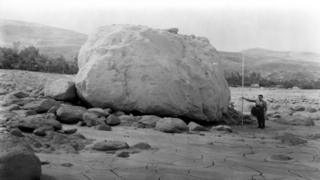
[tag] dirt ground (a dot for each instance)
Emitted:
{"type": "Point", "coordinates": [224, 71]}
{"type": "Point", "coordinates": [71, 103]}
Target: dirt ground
{"type": "Point", "coordinates": [247, 153]}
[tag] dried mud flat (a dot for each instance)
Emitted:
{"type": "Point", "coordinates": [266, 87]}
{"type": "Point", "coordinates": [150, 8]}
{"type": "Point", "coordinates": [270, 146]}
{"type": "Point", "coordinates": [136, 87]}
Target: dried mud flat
{"type": "Point", "coordinates": [246, 153]}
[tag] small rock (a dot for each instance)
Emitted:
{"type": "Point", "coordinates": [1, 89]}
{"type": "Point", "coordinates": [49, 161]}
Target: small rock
{"type": "Point", "coordinates": [113, 120]}
{"type": "Point", "coordinates": [196, 127]}
{"type": "Point", "coordinates": [103, 127]}
{"type": "Point", "coordinates": [67, 164]}
{"type": "Point", "coordinates": [100, 111]}
{"type": "Point", "coordinates": [297, 108]}
{"type": "Point", "coordinates": [222, 128]}
{"type": "Point", "coordinates": [16, 132]}
{"type": "Point", "coordinates": [123, 154]}
{"type": "Point", "coordinates": [41, 131]}
{"type": "Point", "coordinates": [142, 145]}
{"type": "Point", "coordinates": [93, 118]}
{"type": "Point", "coordinates": [119, 113]}
{"type": "Point", "coordinates": [311, 110]}
{"type": "Point", "coordinates": [110, 145]}
{"type": "Point", "coordinates": [30, 123]}
{"type": "Point", "coordinates": [69, 114]}
{"type": "Point", "coordinates": [128, 120]}
{"type": "Point", "coordinates": [281, 157]}
{"type": "Point", "coordinates": [148, 121]}
{"type": "Point", "coordinates": [68, 131]}
{"type": "Point", "coordinates": [53, 109]}
{"type": "Point", "coordinates": [41, 106]}
{"type": "Point", "coordinates": [171, 125]}
{"type": "Point", "coordinates": [291, 139]}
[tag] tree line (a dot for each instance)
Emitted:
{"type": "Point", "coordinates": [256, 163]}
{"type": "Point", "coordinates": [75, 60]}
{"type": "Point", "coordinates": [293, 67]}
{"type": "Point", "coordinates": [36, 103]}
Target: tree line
{"type": "Point", "coordinates": [235, 79]}
{"type": "Point", "coordinates": [30, 59]}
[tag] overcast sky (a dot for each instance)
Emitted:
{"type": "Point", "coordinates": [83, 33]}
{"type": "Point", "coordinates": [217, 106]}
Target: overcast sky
{"type": "Point", "coordinates": [287, 25]}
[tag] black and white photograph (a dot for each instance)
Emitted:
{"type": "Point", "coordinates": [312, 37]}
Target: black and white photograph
{"type": "Point", "coordinates": [159, 90]}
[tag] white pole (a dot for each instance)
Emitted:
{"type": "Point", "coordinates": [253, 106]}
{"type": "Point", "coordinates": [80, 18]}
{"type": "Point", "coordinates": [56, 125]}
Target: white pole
{"type": "Point", "coordinates": [242, 84]}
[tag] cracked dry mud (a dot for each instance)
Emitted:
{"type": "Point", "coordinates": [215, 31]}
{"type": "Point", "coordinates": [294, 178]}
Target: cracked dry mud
{"type": "Point", "coordinates": [249, 153]}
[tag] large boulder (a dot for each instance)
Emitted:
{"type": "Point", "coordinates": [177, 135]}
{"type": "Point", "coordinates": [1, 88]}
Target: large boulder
{"type": "Point", "coordinates": [135, 68]}
{"type": "Point", "coordinates": [61, 89]}
{"type": "Point", "coordinates": [17, 160]}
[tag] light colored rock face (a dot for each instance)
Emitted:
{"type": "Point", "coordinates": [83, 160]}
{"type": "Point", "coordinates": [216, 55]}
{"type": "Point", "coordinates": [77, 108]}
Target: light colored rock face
{"type": "Point", "coordinates": [135, 68]}
{"type": "Point", "coordinates": [61, 89]}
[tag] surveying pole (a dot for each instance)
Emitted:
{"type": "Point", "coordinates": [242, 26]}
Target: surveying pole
{"type": "Point", "coordinates": [242, 84]}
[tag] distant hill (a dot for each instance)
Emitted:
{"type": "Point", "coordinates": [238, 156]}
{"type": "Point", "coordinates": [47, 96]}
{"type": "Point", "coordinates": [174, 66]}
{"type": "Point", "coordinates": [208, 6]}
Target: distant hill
{"type": "Point", "coordinates": [275, 65]}
{"type": "Point", "coordinates": [49, 40]}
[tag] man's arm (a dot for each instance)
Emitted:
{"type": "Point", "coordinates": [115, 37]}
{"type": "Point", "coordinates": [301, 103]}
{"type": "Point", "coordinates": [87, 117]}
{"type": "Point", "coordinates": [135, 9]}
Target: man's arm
{"type": "Point", "coordinates": [249, 100]}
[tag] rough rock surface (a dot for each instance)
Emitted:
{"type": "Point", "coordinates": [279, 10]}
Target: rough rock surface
{"type": "Point", "coordinates": [70, 114]}
{"type": "Point", "coordinates": [135, 68]}
{"type": "Point", "coordinates": [113, 120]}
{"type": "Point", "coordinates": [30, 123]}
{"type": "Point", "coordinates": [171, 125]}
{"type": "Point", "coordinates": [196, 127]}
{"type": "Point", "coordinates": [40, 106]}
{"type": "Point", "coordinates": [148, 121]}
{"type": "Point", "coordinates": [17, 160]}
{"type": "Point", "coordinates": [61, 89]}
{"type": "Point", "coordinates": [93, 119]}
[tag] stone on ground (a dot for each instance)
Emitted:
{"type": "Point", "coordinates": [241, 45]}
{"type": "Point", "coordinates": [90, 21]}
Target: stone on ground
{"type": "Point", "coordinates": [100, 111]}
{"type": "Point", "coordinates": [30, 123]}
{"type": "Point", "coordinates": [17, 160]}
{"type": "Point", "coordinates": [142, 145]}
{"type": "Point", "coordinates": [298, 108]}
{"type": "Point", "coordinates": [69, 114]}
{"type": "Point", "coordinates": [61, 89]}
{"type": "Point", "coordinates": [93, 118]}
{"type": "Point", "coordinates": [103, 127]}
{"type": "Point", "coordinates": [113, 120]}
{"type": "Point", "coordinates": [151, 71]}
{"type": "Point", "coordinates": [41, 106]}
{"type": "Point", "coordinates": [171, 125]}
{"type": "Point", "coordinates": [291, 139]}
{"type": "Point", "coordinates": [110, 145]}
{"type": "Point", "coordinates": [196, 127]}
{"type": "Point", "coordinates": [224, 128]}
{"type": "Point", "coordinates": [123, 154]}
{"type": "Point", "coordinates": [148, 121]}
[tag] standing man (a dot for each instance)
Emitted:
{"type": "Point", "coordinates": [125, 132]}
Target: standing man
{"type": "Point", "coordinates": [259, 110]}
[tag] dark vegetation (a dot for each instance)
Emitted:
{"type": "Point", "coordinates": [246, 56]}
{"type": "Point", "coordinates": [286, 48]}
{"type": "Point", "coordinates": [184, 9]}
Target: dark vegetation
{"type": "Point", "coordinates": [235, 78]}
{"type": "Point", "coordinates": [30, 59]}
